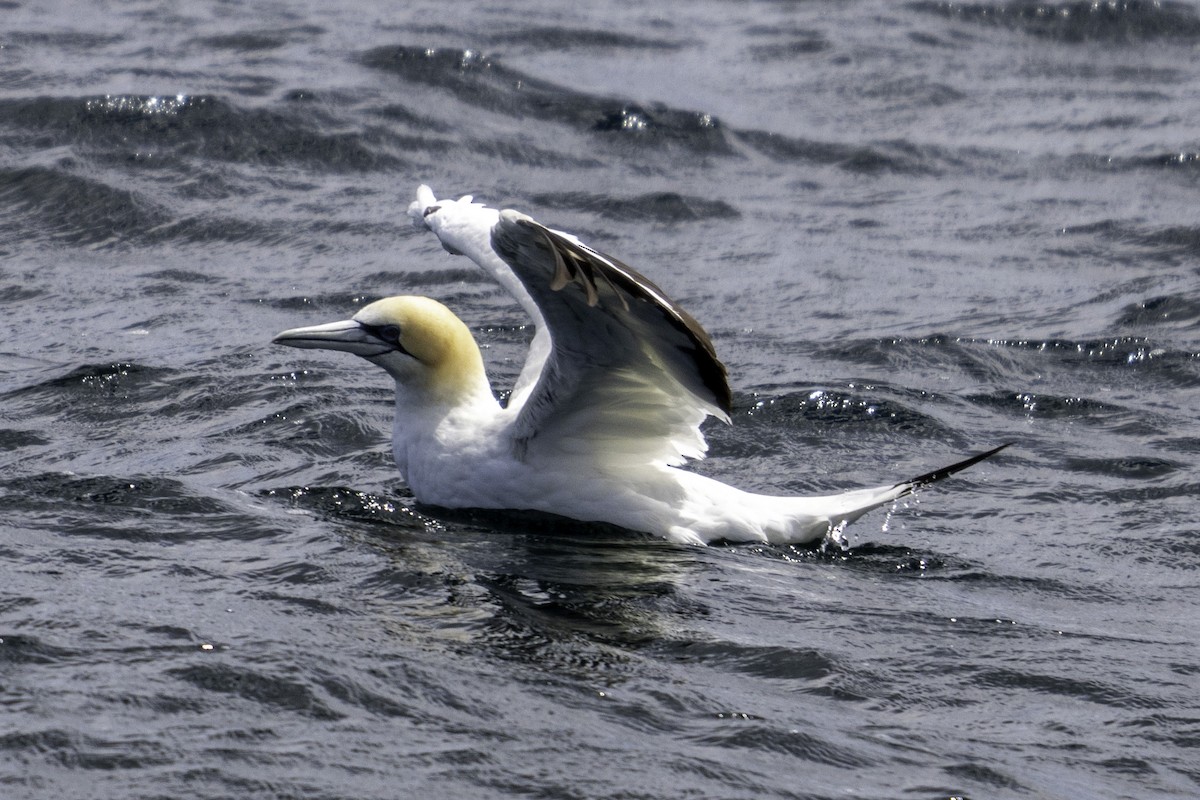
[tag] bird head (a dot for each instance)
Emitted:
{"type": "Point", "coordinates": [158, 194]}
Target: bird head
{"type": "Point", "coordinates": [427, 349]}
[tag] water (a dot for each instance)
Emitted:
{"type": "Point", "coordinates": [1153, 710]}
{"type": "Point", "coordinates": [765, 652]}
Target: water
{"type": "Point", "coordinates": [914, 230]}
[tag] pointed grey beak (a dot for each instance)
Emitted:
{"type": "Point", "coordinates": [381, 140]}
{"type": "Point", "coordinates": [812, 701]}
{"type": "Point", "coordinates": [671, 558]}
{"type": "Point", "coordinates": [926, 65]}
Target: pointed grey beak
{"type": "Point", "coordinates": [346, 335]}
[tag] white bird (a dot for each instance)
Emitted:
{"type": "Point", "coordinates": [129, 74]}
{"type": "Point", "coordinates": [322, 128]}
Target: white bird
{"type": "Point", "coordinates": [605, 411]}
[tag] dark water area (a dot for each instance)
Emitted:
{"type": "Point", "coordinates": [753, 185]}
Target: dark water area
{"type": "Point", "coordinates": [914, 231]}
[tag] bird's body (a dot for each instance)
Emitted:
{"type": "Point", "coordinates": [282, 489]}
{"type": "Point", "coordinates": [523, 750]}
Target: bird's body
{"type": "Point", "coordinates": [605, 410]}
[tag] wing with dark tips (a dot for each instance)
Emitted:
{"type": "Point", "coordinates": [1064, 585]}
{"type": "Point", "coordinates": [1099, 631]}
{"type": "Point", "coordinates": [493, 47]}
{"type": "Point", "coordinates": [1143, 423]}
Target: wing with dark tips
{"type": "Point", "coordinates": [629, 371]}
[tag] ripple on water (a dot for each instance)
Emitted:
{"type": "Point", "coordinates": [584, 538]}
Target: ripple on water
{"type": "Point", "coordinates": [89, 390]}
{"type": "Point", "coordinates": [1049, 406]}
{"type": "Point", "coordinates": [55, 204]}
{"type": "Point", "coordinates": [778, 663]}
{"type": "Point", "coordinates": [72, 749]}
{"type": "Point", "coordinates": [256, 40]}
{"type": "Point", "coordinates": [1171, 309]}
{"type": "Point", "coordinates": [350, 504]}
{"type": "Point", "coordinates": [901, 157]}
{"type": "Point", "coordinates": [17, 648]}
{"type": "Point", "coordinates": [1130, 467]}
{"type": "Point", "coordinates": [482, 81]}
{"type": "Point", "coordinates": [1133, 364]}
{"type": "Point", "coordinates": [791, 424]}
{"type": "Point", "coordinates": [270, 690]}
{"type": "Point", "coordinates": [138, 509]}
{"type": "Point", "coordinates": [559, 38]}
{"type": "Point", "coordinates": [1125, 22]}
{"type": "Point", "coordinates": [653, 207]}
{"type": "Point", "coordinates": [837, 407]}
{"type": "Point", "coordinates": [1172, 245]}
{"type": "Point", "coordinates": [808, 747]}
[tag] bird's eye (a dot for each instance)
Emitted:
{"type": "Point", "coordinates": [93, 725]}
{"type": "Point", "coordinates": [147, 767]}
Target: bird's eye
{"type": "Point", "coordinates": [389, 333]}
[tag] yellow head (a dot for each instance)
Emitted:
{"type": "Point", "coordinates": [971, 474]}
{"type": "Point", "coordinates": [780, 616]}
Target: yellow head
{"type": "Point", "coordinates": [421, 343]}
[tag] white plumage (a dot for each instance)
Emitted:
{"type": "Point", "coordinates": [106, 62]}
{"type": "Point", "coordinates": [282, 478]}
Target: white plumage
{"type": "Point", "coordinates": [604, 412]}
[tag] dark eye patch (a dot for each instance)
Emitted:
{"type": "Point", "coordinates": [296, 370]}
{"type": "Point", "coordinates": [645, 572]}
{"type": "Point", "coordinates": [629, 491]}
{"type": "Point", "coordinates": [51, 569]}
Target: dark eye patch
{"type": "Point", "coordinates": [389, 334]}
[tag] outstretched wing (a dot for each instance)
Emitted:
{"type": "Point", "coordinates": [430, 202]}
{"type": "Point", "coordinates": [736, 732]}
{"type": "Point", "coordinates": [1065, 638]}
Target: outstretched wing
{"type": "Point", "coordinates": [629, 375]}
{"type": "Point", "coordinates": [615, 368]}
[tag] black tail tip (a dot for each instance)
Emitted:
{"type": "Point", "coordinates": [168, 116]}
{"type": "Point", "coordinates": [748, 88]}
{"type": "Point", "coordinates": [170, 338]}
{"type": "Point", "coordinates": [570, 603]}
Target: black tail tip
{"type": "Point", "coordinates": [946, 472]}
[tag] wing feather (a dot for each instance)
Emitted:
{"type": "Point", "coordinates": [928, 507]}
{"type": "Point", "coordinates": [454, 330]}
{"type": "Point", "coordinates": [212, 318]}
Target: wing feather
{"type": "Point", "coordinates": [630, 374]}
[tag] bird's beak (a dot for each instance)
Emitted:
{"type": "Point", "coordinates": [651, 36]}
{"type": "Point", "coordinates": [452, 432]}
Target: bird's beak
{"type": "Point", "coordinates": [347, 335]}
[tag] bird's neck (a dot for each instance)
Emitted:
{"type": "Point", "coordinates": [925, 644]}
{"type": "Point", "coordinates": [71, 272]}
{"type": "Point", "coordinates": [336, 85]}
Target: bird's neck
{"type": "Point", "coordinates": [430, 424]}
{"type": "Point", "coordinates": [460, 380]}
{"type": "Point", "coordinates": [462, 389]}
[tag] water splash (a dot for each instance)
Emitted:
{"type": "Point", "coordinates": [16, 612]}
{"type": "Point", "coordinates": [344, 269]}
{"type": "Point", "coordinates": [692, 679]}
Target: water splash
{"type": "Point", "coordinates": [887, 519]}
{"type": "Point", "coordinates": [836, 537]}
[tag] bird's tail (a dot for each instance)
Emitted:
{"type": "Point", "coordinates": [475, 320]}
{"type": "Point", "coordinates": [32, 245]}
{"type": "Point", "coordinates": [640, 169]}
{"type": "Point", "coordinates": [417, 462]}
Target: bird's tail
{"type": "Point", "coordinates": [913, 484]}
{"type": "Point", "coordinates": [851, 505]}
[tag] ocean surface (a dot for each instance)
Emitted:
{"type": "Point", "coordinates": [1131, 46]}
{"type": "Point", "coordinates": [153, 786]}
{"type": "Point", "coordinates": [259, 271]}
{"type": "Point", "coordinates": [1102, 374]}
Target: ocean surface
{"type": "Point", "coordinates": [915, 230]}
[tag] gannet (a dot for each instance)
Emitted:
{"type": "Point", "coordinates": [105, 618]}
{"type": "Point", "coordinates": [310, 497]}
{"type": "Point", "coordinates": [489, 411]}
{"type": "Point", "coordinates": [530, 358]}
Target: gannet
{"type": "Point", "coordinates": [605, 411]}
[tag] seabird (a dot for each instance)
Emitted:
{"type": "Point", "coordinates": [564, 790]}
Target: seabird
{"type": "Point", "coordinates": [605, 411]}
